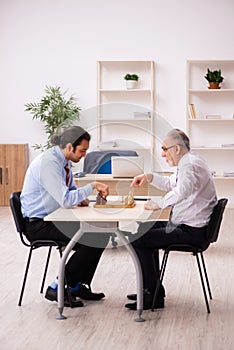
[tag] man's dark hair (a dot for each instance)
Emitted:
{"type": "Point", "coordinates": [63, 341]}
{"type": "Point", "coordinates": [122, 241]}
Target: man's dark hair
{"type": "Point", "coordinates": [73, 134]}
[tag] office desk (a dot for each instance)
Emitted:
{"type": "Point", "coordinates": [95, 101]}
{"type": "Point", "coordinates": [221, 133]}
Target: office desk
{"type": "Point", "coordinates": [104, 220]}
{"type": "Point", "coordinates": [119, 186]}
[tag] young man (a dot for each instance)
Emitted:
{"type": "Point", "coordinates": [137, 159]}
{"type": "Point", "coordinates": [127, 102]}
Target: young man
{"type": "Point", "coordinates": [49, 185]}
{"type": "Point", "coordinates": [191, 194]}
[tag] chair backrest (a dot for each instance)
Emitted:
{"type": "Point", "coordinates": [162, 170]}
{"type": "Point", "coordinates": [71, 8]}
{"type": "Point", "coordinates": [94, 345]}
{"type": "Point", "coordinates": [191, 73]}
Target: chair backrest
{"type": "Point", "coordinates": [215, 220]}
{"type": "Point", "coordinates": [15, 206]}
{"type": "Point", "coordinates": [99, 162]}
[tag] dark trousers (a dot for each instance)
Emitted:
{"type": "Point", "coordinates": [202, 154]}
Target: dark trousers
{"type": "Point", "coordinates": [154, 236]}
{"type": "Point", "coordinates": [87, 252]}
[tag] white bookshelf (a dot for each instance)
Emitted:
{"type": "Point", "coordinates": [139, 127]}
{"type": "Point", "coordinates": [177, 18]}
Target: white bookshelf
{"type": "Point", "coordinates": [118, 106]}
{"type": "Point", "coordinates": [212, 137]}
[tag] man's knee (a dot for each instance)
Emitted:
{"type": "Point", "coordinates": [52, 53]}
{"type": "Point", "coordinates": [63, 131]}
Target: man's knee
{"type": "Point", "coordinates": [145, 227]}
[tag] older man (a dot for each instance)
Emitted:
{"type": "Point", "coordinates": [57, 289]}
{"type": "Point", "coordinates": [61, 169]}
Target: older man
{"type": "Point", "coordinates": [191, 194]}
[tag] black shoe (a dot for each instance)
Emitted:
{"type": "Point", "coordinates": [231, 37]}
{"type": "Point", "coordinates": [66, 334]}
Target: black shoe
{"type": "Point", "coordinates": [51, 295]}
{"type": "Point", "coordinates": [85, 293]}
{"type": "Point", "coordinates": [161, 293]}
{"type": "Point", "coordinates": [147, 303]}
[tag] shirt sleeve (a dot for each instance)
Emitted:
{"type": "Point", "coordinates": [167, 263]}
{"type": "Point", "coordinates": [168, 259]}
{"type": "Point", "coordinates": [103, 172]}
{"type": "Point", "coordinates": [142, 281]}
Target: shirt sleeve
{"type": "Point", "coordinates": [180, 188]}
{"type": "Point", "coordinates": [72, 185]}
{"type": "Point", "coordinates": [165, 183]}
{"type": "Point", "coordinates": [54, 183]}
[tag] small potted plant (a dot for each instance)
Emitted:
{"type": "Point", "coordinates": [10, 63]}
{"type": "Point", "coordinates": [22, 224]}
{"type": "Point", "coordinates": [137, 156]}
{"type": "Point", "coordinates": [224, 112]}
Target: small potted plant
{"type": "Point", "coordinates": [131, 80]}
{"type": "Point", "coordinates": [214, 78]}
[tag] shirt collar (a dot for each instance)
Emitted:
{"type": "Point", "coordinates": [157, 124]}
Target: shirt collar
{"type": "Point", "coordinates": [185, 158]}
{"type": "Point", "coordinates": [60, 155]}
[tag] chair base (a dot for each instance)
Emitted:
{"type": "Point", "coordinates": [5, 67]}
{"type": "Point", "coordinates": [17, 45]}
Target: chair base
{"type": "Point", "coordinates": [201, 267]}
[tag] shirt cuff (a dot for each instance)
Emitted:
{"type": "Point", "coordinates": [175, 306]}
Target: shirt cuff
{"type": "Point", "coordinates": [161, 203]}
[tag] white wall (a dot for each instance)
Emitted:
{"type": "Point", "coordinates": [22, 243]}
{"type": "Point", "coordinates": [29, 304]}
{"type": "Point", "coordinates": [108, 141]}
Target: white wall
{"type": "Point", "coordinates": [57, 42]}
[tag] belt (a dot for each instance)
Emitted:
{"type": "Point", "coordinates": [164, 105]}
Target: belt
{"type": "Point", "coordinates": [33, 219]}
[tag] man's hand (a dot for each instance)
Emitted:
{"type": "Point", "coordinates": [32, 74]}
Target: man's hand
{"type": "Point", "coordinates": [151, 205]}
{"type": "Point", "coordinates": [140, 180]}
{"type": "Point", "coordinates": [101, 188]}
{"type": "Point", "coordinates": [84, 203]}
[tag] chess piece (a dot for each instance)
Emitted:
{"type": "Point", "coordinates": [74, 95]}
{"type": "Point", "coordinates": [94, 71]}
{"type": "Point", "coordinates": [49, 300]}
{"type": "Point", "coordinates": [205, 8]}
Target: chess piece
{"type": "Point", "coordinates": [100, 200]}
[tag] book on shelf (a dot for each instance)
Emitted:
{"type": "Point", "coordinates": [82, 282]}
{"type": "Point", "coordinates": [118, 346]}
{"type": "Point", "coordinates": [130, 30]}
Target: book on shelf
{"type": "Point", "coordinates": [213, 116]}
{"type": "Point", "coordinates": [228, 173]}
{"type": "Point", "coordinates": [228, 145]}
{"type": "Point", "coordinates": [141, 115]}
{"type": "Point", "coordinates": [192, 111]}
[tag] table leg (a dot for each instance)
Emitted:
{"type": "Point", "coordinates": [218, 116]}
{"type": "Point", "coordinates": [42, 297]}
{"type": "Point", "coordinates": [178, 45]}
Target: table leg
{"type": "Point", "coordinates": [62, 264]}
{"type": "Point", "coordinates": [137, 265]}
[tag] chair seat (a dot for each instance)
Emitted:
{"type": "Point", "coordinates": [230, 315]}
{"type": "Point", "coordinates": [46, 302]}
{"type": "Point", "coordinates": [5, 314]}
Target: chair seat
{"type": "Point", "coordinates": [184, 248]}
{"type": "Point", "coordinates": [45, 243]}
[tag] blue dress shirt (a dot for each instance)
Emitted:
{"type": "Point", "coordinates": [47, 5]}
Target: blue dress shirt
{"type": "Point", "coordinates": [45, 188]}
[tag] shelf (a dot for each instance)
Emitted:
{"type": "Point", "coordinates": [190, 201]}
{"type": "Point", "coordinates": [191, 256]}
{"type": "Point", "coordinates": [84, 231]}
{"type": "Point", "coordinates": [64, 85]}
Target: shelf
{"type": "Point", "coordinates": [124, 90]}
{"type": "Point", "coordinates": [124, 120]}
{"type": "Point", "coordinates": [190, 61]}
{"type": "Point", "coordinates": [125, 61]}
{"type": "Point", "coordinates": [211, 120]}
{"type": "Point", "coordinates": [212, 148]}
{"type": "Point", "coordinates": [223, 177]}
{"type": "Point", "coordinates": [211, 90]}
{"type": "Point", "coordinates": [123, 148]}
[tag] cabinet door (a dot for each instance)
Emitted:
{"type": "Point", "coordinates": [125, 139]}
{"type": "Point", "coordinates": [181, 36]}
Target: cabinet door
{"type": "Point", "coordinates": [16, 163]}
{"type": "Point", "coordinates": [2, 179]}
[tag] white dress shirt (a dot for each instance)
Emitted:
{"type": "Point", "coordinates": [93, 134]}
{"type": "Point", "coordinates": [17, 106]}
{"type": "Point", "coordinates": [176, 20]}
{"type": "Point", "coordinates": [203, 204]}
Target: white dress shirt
{"type": "Point", "coordinates": [191, 191]}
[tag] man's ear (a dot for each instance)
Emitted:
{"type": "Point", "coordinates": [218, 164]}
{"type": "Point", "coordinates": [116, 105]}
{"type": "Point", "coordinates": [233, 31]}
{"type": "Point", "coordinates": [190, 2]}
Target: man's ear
{"type": "Point", "coordinates": [67, 150]}
{"type": "Point", "coordinates": [69, 147]}
{"type": "Point", "coordinates": [178, 149]}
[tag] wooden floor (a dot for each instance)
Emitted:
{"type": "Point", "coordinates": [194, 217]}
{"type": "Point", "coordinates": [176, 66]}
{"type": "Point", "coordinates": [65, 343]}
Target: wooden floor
{"type": "Point", "coordinates": [184, 323]}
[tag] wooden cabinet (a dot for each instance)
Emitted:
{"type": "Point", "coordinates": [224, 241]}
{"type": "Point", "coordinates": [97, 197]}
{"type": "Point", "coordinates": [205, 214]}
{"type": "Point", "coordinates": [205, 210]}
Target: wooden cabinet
{"type": "Point", "coordinates": [14, 160]}
{"type": "Point", "coordinates": [211, 129]}
{"type": "Point", "coordinates": [126, 116]}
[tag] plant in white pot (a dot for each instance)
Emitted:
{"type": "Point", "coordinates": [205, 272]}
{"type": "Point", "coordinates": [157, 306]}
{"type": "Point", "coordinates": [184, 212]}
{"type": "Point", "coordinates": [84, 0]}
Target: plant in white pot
{"type": "Point", "coordinates": [55, 111]}
{"type": "Point", "coordinates": [131, 80]}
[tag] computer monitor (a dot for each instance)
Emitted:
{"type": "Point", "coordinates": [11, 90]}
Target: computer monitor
{"type": "Point", "coordinates": [127, 166]}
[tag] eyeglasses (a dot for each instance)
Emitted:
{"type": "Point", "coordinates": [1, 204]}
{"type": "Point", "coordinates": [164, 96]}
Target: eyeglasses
{"type": "Point", "coordinates": [165, 149]}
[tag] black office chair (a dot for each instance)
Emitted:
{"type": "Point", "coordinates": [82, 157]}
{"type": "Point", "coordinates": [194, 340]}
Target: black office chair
{"type": "Point", "coordinates": [20, 225]}
{"type": "Point", "coordinates": [212, 236]}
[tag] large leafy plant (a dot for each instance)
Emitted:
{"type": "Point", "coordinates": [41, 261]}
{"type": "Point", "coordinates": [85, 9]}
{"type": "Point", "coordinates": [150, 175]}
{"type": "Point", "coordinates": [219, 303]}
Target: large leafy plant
{"type": "Point", "coordinates": [55, 111]}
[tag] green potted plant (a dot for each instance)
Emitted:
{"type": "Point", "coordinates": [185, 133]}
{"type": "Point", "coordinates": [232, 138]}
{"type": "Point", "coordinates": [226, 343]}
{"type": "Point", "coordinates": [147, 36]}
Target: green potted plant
{"type": "Point", "coordinates": [55, 111]}
{"type": "Point", "coordinates": [214, 78]}
{"type": "Point", "coordinates": [131, 80]}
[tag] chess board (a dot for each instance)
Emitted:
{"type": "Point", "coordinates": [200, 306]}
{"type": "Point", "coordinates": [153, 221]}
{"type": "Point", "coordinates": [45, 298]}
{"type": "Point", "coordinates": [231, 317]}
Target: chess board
{"type": "Point", "coordinates": [126, 202]}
